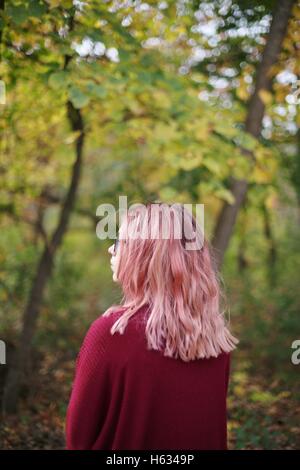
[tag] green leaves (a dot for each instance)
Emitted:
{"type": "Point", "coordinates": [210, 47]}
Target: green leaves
{"type": "Point", "coordinates": [19, 12]}
{"type": "Point", "coordinates": [216, 189]}
{"type": "Point", "coordinates": [168, 194]}
{"type": "Point", "coordinates": [212, 164]}
{"type": "Point", "coordinates": [96, 90]}
{"type": "Point", "coordinates": [149, 113]}
{"type": "Point", "coordinates": [225, 195]}
{"type": "Point", "coordinates": [246, 141]}
{"type": "Point", "coordinates": [59, 79]}
{"type": "Point", "coordinates": [62, 3]}
{"type": "Point", "coordinates": [78, 98]}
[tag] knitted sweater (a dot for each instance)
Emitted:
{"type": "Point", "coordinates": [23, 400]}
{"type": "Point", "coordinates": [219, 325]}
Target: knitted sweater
{"type": "Point", "coordinates": [126, 397]}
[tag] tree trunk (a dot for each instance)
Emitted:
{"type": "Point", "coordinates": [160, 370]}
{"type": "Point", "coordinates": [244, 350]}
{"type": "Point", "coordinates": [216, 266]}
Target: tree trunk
{"type": "Point", "coordinates": [227, 218]}
{"type": "Point", "coordinates": [272, 251]}
{"type": "Point", "coordinates": [20, 365]}
{"type": "Point", "coordinates": [295, 174]}
{"type": "Point", "coordinates": [2, 6]}
{"type": "Point", "coordinates": [242, 261]}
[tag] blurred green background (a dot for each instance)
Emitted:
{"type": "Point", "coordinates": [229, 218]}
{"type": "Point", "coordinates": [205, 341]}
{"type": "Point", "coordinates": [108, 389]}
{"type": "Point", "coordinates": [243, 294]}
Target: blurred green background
{"type": "Point", "coordinates": [170, 100]}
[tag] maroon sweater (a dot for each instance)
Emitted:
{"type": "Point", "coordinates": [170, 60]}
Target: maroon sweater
{"type": "Point", "coordinates": [126, 397]}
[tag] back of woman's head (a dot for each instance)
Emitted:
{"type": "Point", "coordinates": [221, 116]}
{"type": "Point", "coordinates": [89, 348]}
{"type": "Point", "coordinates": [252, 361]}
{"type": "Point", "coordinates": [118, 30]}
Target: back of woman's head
{"type": "Point", "coordinates": [165, 263]}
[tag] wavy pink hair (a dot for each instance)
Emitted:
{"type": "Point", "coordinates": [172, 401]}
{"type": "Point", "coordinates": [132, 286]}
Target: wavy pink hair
{"type": "Point", "coordinates": [180, 286]}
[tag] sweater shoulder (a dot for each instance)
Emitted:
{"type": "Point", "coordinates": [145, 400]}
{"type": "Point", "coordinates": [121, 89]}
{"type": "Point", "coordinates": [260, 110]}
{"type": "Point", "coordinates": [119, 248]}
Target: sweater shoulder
{"type": "Point", "coordinates": [100, 327]}
{"type": "Point", "coordinates": [96, 338]}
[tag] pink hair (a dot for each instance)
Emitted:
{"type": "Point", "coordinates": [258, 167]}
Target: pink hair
{"type": "Point", "coordinates": [179, 286]}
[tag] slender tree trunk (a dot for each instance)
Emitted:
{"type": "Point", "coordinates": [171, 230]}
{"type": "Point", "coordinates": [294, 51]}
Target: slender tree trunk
{"type": "Point", "coordinates": [272, 255]}
{"type": "Point", "coordinates": [43, 273]}
{"type": "Point", "coordinates": [2, 6]}
{"type": "Point", "coordinates": [227, 218]}
{"type": "Point", "coordinates": [295, 174]}
{"type": "Point", "coordinates": [242, 261]}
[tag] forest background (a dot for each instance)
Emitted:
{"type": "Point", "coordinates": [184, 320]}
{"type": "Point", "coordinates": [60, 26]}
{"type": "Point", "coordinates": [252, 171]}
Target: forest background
{"type": "Point", "coordinates": [179, 101]}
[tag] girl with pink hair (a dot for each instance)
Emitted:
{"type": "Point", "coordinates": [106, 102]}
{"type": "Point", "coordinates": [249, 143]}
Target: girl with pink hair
{"type": "Point", "coordinates": [153, 372]}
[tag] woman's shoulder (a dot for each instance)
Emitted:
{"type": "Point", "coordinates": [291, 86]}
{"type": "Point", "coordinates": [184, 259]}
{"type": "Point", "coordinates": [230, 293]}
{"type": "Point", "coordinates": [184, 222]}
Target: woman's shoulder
{"type": "Point", "coordinates": [102, 324]}
{"type": "Point", "coordinates": [99, 331]}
